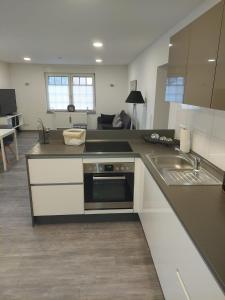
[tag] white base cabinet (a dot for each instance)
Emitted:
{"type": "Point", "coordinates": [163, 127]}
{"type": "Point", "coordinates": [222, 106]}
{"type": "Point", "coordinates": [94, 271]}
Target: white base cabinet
{"type": "Point", "coordinates": [55, 170]}
{"type": "Point", "coordinates": [57, 200]}
{"type": "Point", "coordinates": [182, 272]}
{"type": "Point", "coordinates": [56, 186]}
{"type": "Point", "coordinates": [138, 184]}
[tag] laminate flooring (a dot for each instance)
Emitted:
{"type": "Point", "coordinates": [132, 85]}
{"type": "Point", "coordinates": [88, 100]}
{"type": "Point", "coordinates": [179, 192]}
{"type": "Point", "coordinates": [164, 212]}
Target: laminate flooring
{"type": "Point", "coordinates": [76, 261]}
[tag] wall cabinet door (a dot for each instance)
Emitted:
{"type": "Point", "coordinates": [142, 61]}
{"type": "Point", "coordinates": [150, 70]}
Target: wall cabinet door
{"type": "Point", "coordinates": [57, 200]}
{"type": "Point", "coordinates": [218, 100]}
{"type": "Point", "coordinates": [203, 51]}
{"type": "Point", "coordinates": [176, 73]}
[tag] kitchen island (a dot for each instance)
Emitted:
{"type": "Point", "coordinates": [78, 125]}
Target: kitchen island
{"type": "Point", "coordinates": [200, 209]}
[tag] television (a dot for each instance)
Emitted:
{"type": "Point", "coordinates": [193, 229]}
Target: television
{"type": "Point", "coordinates": [7, 102]}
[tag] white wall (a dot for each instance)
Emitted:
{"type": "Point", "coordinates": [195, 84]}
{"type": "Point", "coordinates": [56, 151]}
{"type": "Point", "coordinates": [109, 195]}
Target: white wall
{"type": "Point", "coordinates": [4, 76]}
{"type": "Point", "coordinates": [31, 99]}
{"type": "Point", "coordinates": [208, 134]}
{"type": "Point", "coordinates": [207, 125]}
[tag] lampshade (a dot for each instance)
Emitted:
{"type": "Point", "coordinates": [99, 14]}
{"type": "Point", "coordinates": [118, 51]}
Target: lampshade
{"type": "Point", "coordinates": [135, 97]}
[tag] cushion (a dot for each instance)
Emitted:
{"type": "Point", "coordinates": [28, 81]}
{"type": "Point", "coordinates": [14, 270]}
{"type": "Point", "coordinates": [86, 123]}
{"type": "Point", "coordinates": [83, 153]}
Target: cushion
{"type": "Point", "coordinates": [122, 114]}
{"type": "Point", "coordinates": [126, 122]}
{"type": "Point", "coordinates": [117, 121]}
{"type": "Point", "coordinates": [107, 119]}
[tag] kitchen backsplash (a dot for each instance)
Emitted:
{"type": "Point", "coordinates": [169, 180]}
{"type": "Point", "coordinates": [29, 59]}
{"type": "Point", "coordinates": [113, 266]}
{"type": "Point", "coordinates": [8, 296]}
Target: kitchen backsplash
{"type": "Point", "coordinates": [207, 127]}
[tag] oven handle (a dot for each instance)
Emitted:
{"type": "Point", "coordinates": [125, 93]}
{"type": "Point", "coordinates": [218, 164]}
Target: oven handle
{"type": "Point", "coordinates": [109, 178]}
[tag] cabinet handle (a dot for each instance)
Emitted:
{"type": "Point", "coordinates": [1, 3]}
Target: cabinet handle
{"type": "Point", "coordinates": [109, 178]}
{"type": "Point", "coordinates": [182, 285]}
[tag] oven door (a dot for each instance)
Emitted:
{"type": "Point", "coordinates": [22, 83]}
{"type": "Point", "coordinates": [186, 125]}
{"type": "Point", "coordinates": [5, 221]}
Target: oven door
{"type": "Point", "coordinates": [109, 191]}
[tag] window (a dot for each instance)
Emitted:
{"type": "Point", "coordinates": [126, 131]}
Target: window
{"type": "Point", "coordinates": [58, 92]}
{"type": "Point", "coordinates": [65, 89]}
{"type": "Point", "coordinates": [83, 93]}
{"type": "Point", "coordinates": [175, 89]}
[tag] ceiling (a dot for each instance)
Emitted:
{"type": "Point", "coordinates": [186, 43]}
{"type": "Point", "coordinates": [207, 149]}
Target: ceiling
{"type": "Point", "coordinates": [62, 31]}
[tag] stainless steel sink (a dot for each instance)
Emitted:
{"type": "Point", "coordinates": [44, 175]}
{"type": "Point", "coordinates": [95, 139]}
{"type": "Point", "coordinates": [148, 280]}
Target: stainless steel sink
{"type": "Point", "coordinates": [176, 162]}
{"type": "Point", "coordinates": [178, 170]}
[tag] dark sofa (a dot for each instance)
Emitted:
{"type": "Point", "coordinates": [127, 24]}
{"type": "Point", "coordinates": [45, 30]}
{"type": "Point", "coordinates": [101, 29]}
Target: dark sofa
{"type": "Point", "coordinates": [107, 123]}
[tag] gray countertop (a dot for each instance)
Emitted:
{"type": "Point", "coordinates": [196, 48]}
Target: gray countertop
{"type": "Point", "coordinates": [201, 209]}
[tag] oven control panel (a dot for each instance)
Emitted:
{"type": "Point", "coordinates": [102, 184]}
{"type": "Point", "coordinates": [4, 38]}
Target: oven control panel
{"type": "Point", "coordinates": [127, 167]}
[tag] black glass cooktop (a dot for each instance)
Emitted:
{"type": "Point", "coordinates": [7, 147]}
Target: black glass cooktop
{"type": "Point", "coordinates": [107, 147]}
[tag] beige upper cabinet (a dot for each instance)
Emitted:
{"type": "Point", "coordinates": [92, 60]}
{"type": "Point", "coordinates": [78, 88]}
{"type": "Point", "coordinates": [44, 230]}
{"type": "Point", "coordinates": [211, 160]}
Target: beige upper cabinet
{"type": "Point", "coordinates": [203, 51]}
{"type": "Point", "coordinates": [196, 70]}
{"type": "Point", "coordinates": [178, 55]}
{"type": "Point", "coordinates": [218, 99]}
{"type": "Point", "coordinates": [176, 73]}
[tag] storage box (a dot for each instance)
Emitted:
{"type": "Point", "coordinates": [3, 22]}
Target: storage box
{"type": "Point", "coordinates": [74, 136]}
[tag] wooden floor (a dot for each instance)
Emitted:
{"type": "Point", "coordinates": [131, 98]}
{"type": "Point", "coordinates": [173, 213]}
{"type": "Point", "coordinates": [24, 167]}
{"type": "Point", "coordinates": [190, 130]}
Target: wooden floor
{"type": "Point", "coordinates": [91, 261]}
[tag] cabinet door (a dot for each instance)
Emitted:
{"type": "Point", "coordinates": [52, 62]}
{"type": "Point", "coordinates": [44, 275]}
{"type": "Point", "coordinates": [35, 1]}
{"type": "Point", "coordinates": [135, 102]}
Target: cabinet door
{"type": "Point", "coordinates": [176, 74]}
{"type": "Point", "coordinates": [156, 221]}
{"type": "Point", "coordinates": [55, 170]}
{"type": "Point", "coordinates": [183, 274]}
{"type": "Point", "coordinates": [57, 200]}
{"type": "Point", "coordinates": [203, 51]}
{"type": "Point", "coordinates": [218, 100]}
{"type": "Point", "coordinates": [138, 184]}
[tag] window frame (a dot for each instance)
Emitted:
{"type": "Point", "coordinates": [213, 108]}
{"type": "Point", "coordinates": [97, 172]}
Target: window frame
{"type": "Point", "coordinates": [70, 75]}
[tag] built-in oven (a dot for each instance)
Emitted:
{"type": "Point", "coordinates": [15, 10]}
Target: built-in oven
{"type": "Point", "coordinates": [108, 186]}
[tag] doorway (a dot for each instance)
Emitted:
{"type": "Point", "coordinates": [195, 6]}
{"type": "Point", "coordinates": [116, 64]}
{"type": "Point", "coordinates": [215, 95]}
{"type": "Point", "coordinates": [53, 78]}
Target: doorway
{"type": "Point", "coordinates": [161, 111]}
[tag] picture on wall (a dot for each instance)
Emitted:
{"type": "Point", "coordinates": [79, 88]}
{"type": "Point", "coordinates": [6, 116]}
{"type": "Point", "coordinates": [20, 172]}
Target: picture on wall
{"type": "Point", "coordinates": [133, 85]}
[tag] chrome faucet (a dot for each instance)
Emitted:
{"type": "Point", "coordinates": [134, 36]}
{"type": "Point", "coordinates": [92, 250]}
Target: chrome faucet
{"type": "Point", "coordinates": [197, 163]}
{"type": "Point", "coordinates": [195, 160]}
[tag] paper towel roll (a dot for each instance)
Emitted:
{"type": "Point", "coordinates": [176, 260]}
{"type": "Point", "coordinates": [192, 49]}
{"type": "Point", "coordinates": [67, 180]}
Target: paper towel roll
{"type": "Point", "coordinates": [185, 140]}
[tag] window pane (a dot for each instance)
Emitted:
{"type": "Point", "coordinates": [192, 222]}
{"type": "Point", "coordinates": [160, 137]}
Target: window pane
{"type": "Point", "coordinates": [82, 80]}
{"type": "Point", "coordinates": [65, 80]}
{"type": "Point", "coordinates": [58, 80]}
{"type": "Point", "coordinates": [89, 80]}
{"type": "Point", "coordinates": [175, 89]}
{"type": "Point", "coordinates": [76, 80]}
{"type": "Point", "coordinates": [58, 92]}
{"type": "Point", "coordinates": [83, 97]}
{"type": "Point", "coordinates": [51, 80]}
{"type": "Point", "coordinates": [83, 93]}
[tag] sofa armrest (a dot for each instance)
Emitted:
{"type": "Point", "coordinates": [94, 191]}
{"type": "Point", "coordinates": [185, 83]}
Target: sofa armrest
{"type": "Point", "coordinates": [99, 119]}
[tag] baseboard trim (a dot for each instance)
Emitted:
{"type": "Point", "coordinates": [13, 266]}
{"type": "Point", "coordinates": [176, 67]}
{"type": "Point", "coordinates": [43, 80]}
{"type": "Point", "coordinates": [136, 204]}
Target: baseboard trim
{"type": "Point", "coordinates": [124, 217]}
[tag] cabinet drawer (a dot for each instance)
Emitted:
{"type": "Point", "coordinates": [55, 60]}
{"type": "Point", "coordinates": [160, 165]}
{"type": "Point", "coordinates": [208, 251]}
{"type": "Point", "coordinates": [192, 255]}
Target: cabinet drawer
{"type": "Point", "coordinates": [55, 170]}
{"type": "Point", "coordinates": [57, 200]}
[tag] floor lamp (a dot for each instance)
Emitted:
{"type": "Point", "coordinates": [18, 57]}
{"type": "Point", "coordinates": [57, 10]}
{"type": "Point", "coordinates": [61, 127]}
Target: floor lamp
{"type": "Point", "coordinates": [135, 97]}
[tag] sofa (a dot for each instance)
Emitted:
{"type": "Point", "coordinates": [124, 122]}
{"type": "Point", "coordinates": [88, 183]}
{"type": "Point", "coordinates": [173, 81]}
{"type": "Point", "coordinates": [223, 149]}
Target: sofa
{"type": "Point", "coordinates": [114, 122]}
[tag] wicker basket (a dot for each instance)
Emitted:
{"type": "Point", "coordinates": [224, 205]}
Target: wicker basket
{"type": "Point", "coordinates": [74, 137]}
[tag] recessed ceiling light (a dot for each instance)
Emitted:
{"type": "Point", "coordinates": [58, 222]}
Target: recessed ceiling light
{"type": "Point", "coordinates": [170, 45]}
{"type": "Point", "coordinates": [211, 60]}
{"type": "Point", "coordinates": [97, 44]}
{"type": "Point", "coordinates": [27, 58]}
{"type": "Point", "coordinates": [99, 60]}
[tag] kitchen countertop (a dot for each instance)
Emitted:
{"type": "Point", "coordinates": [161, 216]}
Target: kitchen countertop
{"type": "Point", "coordinates": [201, 209]}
